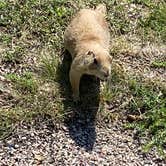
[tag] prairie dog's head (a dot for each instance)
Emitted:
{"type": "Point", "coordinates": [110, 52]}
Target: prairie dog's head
{"type": "Point", "coordinates": [99, 64]}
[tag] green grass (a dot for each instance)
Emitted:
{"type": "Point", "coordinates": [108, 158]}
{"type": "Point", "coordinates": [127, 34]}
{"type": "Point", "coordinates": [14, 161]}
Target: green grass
{"type": "Point", "coordinates": [143, 100]}
{"type": "Point", "coordinates": [34, 28]}
{"type": "Point", "coordinates": [155, 23]}
{"type": "Point", "coordinates": [25, 83]}
{"type": "Point", "coordinates": [159, 64]}
{"type": "Point", "coordinates": [11, 117]}
{"type": "Point", "coordinates": [6, 38]}
{"type": "Point", "coordinates": [150, 104]}
{"type": "Point", "coordinates": [15, 55]}
{"type": "Point", "coordinates": [49, 67]}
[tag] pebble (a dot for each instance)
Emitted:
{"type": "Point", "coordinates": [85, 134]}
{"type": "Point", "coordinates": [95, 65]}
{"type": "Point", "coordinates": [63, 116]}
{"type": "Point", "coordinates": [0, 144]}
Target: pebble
{"type": "Point", "coordinates": [63, 148]}
{"type": "Point", "coordinates": [70, 146]}
{"type": "Point", "coordinates": [16, 146]}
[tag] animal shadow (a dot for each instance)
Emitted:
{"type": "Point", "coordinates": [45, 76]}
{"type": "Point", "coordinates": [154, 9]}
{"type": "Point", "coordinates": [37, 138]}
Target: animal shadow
{"type": "Point", "coordinates": [79, 118]}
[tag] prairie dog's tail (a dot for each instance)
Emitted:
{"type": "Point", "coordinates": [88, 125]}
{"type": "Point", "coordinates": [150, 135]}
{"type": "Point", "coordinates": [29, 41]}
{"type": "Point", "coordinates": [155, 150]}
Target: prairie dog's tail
{"type": "Point", "coordinates": [101, 8]}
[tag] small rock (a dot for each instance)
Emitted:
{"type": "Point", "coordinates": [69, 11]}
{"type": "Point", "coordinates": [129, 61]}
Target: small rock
{"type": "Point", "coordinates": [39, 157]}
{"type": "Point", "coordinates": [16, 146]}
{"type": "Point", "coordinates": [24, 138]}
{"type": "Point", "coordinates": [51, 160]}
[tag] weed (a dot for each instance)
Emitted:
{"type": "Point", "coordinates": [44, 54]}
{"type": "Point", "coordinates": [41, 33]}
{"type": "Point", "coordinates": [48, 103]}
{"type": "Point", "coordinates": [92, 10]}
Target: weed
{"type": "Point", "coordinates": [6, 39]}
{"type": "Point", "coordinates": [31, 26]}
{"type": "Point", "coordinates": [25, 83]}
{"type": "Point", "coordinates": [150, 104]}
{"type": "Point", "coordinates": [49, 67]}
{"type": "Point", "coordinates": [8, 118]}
{"type": "Point", "coordinates": [158, 64]}
{"type": "Point", "coordinates": [156, 21]}
{"type": "Point", "coordinates": [15, 55]}
{"type": "Point", "coordinates": [120, 45]}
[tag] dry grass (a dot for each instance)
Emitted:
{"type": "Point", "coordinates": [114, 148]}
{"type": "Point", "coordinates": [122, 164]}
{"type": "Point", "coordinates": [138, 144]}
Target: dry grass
{"type": "Point", "coordinates": [34, 76]}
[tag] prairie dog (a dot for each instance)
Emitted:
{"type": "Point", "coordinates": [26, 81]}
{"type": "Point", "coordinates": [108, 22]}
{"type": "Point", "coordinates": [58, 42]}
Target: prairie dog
{"type": "Point", "coordinates": [87, 39]}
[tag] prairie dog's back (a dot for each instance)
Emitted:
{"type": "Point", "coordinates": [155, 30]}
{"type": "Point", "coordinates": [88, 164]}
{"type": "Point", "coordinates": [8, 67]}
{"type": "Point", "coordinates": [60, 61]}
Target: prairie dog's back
{"type": "Point", "coordinates": [88, 26]}
{"type": "Point", "coordinates": [87, 39]}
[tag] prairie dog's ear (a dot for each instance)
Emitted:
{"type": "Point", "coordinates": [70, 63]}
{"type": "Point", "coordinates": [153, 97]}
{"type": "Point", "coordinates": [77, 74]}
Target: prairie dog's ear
{"type": "Point", "coordinates": [92, 57]}
{"type": "Point", "coordinates": [89, 58]}
{"type": "Point", "coordinates": [91, 53]}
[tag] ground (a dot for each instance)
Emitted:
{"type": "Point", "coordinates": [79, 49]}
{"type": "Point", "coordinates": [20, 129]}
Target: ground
{"type": "Point", "coordinates": [120, 122]}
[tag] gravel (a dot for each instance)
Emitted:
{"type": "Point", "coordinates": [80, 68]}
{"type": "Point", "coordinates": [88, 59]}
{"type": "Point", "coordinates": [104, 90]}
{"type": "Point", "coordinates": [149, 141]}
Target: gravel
{"type": "Point", "coordinates": [79, 141]}
{"type": "Point", "coordinates": [76, 142]}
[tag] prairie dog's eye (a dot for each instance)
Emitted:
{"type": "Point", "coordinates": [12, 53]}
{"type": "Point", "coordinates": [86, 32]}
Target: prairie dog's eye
{"type": "Point", "coordinates": [95, 61]}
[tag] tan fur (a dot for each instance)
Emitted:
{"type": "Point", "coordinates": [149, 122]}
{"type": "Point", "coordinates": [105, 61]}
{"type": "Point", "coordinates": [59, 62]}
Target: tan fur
{"type": "Point", "coordinates": [87, 39]}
